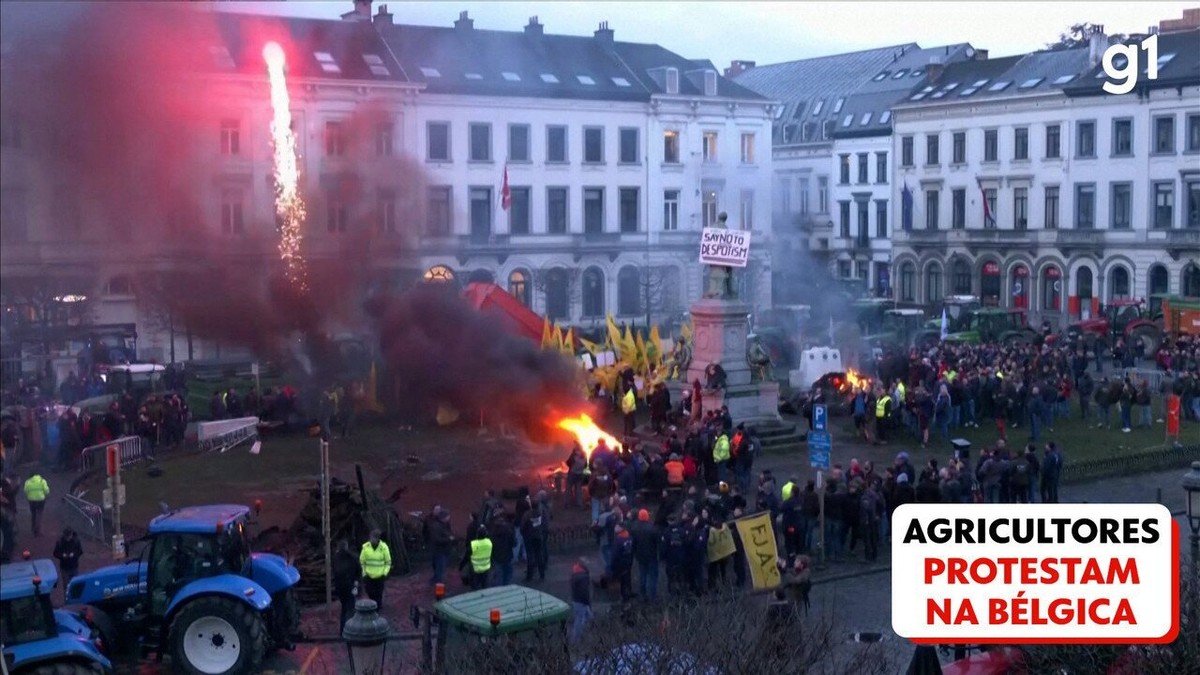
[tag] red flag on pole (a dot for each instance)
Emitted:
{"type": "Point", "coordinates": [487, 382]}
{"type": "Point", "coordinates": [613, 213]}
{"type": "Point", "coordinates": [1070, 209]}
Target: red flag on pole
{"type": "Point", "coordinates": [989, 220]}
{"type": "Point", "coordinates": [505, 193]}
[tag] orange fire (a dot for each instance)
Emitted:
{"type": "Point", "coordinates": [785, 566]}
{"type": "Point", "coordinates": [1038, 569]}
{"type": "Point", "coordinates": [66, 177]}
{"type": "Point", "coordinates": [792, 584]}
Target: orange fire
{"type": "Point", "coordinates": [289, 206]}
{"type": "Point", "coordinates": [587, 433]}
{"type": "Point", "coordinates": [857, 380]}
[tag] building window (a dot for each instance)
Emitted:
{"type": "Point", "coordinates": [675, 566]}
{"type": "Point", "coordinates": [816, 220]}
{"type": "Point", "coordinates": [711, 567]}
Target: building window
{"type": "Point", "coordinates": [438, 139]}
{"type": "Point", "coordinates": [933, 283]}
{"type": "Point", "coordinates": [1193, 203]}
{"type": "Point", "coordinates": [518, 142]}
{"type": "Point", "coordinates": [480, 135]}
{"type": "Point", "coordinates": [803, 189]}
{"type": "Point", "coordinates": [335, 139]}
{"type": "Point", "coordinates": [518, 286]}
{"type": "Point", "coordinates": [844, 169]}
{"type": "Point", "coordinates": [958, 216]}
{"type": "Point", "coordinates": [746, 210]}
{"type": "Point", "coordinates": [439, 274]}
{"type": "Point", "coordinates": [481, 212]}
{"type": "Point", "coordinates": [1193, 133]}
{"type": "Point", "coordinates": [593, 210]}
{"type": "Point", "coordinates": [593, 292]}
{"type": "Point", "coordinates": [931, 209]}
{"type": "Point", "coordinates": [860, 269]}
{"type": "Point", "coordinates": [989, 196]}
{"type": "Point", "coordinates": [906, 151]}
{"type": "Point", "coordinates": [1122, 138]}
{"type": "Point", "coordinates": [908, 273]}
{"type": "Point", "coordinates": [1051, 207]}
{"type": "Point", "coordinates": [862, 233]}
{"type": "Point", "coordinates": [844, 218]}
{"type": "Point", "coordinates": [822, 194]}
{"type": "Point", "coordinates": [385, 211]}
{"type": "Point", "coordinates": [747, 148]}
{"type": "Point", "coordinates": [1118, 286]}
{"type": "Point", "coordinates": [1021, 143]}
{"type": "Point", "coordinates": [881, 219]}
{"type": "Point", "coordinates": [556, 210]}
{"type": "Point", "coordinates": [337, 215]}
{"type": "Point", "coordinates": [959, 148]}
{"type": "Point", "coordinates": [1159, 283]}
{"type": "Point", "coordinates": [1085, 139]}
{"type": "Point", "coordinates": [961, 277]}
{"type": "Point", "coordinates": [556, 144]}
{"type": "Point", "coordinates": [629, 146]}
{"type": "Point", "coordinates": [1020, 208]}
{"type": "Point", "coordinates": [629, 291]}
{"type": "Point", "coordinates": [593, 145]}
{"type": "Point", "coordinates": [1052, 289]}
{"type": "Point", "coordinates": [437, 211]}
{"type": "Point", "coordinates": [231, 137]}
{"type": "Point", "coordinates": [670, 210]}
{"type": "Point", "coordinates": [991, 145]}
{"type": "Point", "coordinates": [1121, 205]}
{"type": "Point", "coordinates": [383, 139]}
{"type": "Point", "coordinates": [518, 211]}
{"type": "Point", "coordinates": [558, 296]}
{"type": "Point", "coordinates": [670, 147]}
{"type": "Point", "coordinates": [231, 212]}
{"type": "Point", "coordinates": [709, 146]}
{"type": "Point", "coordinates": [1085, 206]}
{"type": "Point", "coordinates": [843, 268]}
{"type": "Point", "coordinates": [708, 207]}
{"type": "Point", "coordinates": [1164, 135]}
{"type": "Point", "coordinates": [863, 167]}
{"type": "Point", "coordinates": [628, 203]}
{"type": "Point", "coordinates": [1164, 205]}
{"type": "Point", "coordinates": [1053, 141]}
{"type": "Point", "coordinates": [881, 172]}
{"type": "Point", "coordinates": [931, 149]}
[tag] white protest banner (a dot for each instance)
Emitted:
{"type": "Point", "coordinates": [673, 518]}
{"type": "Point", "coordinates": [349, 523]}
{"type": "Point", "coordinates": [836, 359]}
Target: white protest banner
{"type": "Point", "coordinates": [719, 246]}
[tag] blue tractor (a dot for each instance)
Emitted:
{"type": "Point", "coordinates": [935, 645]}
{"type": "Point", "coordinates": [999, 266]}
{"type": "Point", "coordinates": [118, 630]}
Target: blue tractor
{"type": "Point", "coordinates": [197, 593]}
{"type": "Point", "coordinates": [38, 639]}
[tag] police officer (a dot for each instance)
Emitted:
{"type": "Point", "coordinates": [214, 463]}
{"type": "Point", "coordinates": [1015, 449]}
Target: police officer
{"type": "Point", "coordinates": [376, 562]}
{"type": "Point", "coordinates": [481, 559]}
{"type": "Point", "coordinates": [36, 491]}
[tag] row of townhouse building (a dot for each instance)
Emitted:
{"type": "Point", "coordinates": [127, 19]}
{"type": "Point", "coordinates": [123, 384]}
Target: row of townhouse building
{"type": "Point", "coordinates": [614, 154]}
{"type": "Point", "coordinates": [1017, 179]}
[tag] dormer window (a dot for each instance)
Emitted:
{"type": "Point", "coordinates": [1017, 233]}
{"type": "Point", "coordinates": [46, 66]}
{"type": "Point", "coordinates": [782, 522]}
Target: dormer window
{"type": "Point", "coordinates": [672, 80]}
{"type": "Point", "coordinates": [430, 72]}
{"type": "Point", "coordinates": [549, 78]}
{"type": "Point", "coordinates": [710, 83]}
{"type": "Point", "coordinates": [817, 107]}
{"type": "Point", "coordinates": [375, 64]}
{"type": "Point", "coordinates": [584, 79]}
{"type": "Point", "coordinates": [327, 63]}
{"type": "Point", "coordinates": [511, 77]}
{"type": "Point", "coordinates": [837, 107]}
{"type": "Point", "coordinates": [473, 76]}
{"type": "Point", "coordinates": [620, 82]}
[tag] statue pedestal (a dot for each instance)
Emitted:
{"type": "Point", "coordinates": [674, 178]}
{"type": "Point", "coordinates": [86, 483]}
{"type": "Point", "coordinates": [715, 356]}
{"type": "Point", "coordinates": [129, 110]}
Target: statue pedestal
{"type": "Point", "coordinates": [719, 330]}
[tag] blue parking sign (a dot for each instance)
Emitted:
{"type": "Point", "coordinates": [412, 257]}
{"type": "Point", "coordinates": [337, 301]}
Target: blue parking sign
{"type": "Point", "coordinates": [820, 446]}
{"type": "Point", "coordinates": [819, 417]}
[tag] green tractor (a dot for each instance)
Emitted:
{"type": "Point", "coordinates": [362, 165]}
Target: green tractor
{"type": "Point", "coordinates": [993, 324]}
{"type": "Point", "coordinates": [903, 328]}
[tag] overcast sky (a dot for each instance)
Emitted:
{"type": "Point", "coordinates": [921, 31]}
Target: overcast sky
{"type": "Point", "coordinates": [770, 32]}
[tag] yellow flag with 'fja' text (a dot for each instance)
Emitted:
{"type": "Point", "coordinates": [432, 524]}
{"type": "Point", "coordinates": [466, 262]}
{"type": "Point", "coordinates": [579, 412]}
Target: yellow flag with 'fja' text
{"type": "Point", "coordinates": [758, 540]}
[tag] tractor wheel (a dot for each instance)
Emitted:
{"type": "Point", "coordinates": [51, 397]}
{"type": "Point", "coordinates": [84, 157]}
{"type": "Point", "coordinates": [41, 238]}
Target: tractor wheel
{"type": "Point", "coordinates": [215, 636]}
{"type": "Point", "coordinates": [285, 619]}
{"type": "Point", "coordinates": [65, 668]}
{"type": "Point", "coordinates": [1150, 338]}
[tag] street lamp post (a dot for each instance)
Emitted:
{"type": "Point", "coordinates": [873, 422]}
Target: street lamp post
{"type": "Point", "coordinates": [1191, 485]}
{"type": "Point", "coordinates": [366, 636]}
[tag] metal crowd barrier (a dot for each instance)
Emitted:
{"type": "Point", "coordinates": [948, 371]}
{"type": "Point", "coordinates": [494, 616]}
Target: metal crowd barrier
{"type": "Point", "coordinates": [129, 448]}
{"type": "Point", "coordinates": [84, 517]}
{"type": "Point", "coordinates": [1154, 377]}
{"type": "Point", "coordinates": [225, 434]}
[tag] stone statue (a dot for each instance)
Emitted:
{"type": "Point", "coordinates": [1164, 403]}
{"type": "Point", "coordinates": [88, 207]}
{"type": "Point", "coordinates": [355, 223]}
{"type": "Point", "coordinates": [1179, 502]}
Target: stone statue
{"type": "Point", "coordinates": [759, 359]}
{"type": "Point", "coordinates": [719, 280]}
{"type": "Point", "coordinates": [681, 358]}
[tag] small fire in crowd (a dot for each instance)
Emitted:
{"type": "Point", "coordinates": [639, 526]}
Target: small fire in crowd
{"type": "Point", "coordinates": [289, 206]}
{"type": "Point", "coordinates": [857, 381]}
{"type": "Point", "coordinates": [587, 433]}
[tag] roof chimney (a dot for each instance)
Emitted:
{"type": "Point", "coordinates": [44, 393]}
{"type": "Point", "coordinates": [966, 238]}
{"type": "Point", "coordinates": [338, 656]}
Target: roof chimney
{"type": "Point", "coordinates": [464, 22]}
{"type": "Point", "coordinates": [362, 11]}
{"type": "Point", "coordinates": [604, 34]}
{"type": "Point", "coordinates": [737, 68]}
{"type": "Point", "coordinates": [937, 65]}
{"type": "Point", "coordinates": [383, 15]}
{"type": "Point", "coordinates": [1097, 45]}
{"type": "Point", "coordinates": [533, 28]}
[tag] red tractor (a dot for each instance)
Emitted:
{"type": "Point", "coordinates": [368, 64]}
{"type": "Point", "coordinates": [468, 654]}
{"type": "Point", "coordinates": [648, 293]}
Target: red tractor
{"type": "Point", "coordinates": [1124, 318]}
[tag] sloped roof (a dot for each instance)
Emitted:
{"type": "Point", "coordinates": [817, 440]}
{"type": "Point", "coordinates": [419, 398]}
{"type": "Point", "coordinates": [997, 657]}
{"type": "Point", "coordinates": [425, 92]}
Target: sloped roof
{"type": "Point", "coordinates": [1178, 65]}
{"type": "Point", "coordinates": [1021, 74]}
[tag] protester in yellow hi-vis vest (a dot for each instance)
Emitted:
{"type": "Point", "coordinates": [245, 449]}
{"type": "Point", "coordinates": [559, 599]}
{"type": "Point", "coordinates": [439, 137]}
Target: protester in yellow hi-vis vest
{"type": "Point", "coordinates": [786, 492]}
{"type": "Point", "coordinates": [721, 456]}
{"type": "Point", "coordinates": [629, 407]}
{"type": "Point", "coordinates": [479, 555]}
{"type": "Point", "coordinates": [36, 491]}
{"type": "Point", "coordinates": [883, 405]}
{"type": "Point", "coordinates": [376, 562]}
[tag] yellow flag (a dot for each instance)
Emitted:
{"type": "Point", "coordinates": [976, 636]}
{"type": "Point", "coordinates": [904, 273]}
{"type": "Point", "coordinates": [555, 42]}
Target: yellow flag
{"type": "Point", "coordinates": [591, 347]}
{"type": "Point", "coordinates": [720, 543]}
{"type": "Point", "coordinates": [547, 334]}
{"type": "Point", "coordinates": [614, 335]}
{"type": "Point", "coordinates": [629, 348]}
{"type": "Point", "coordinates": [642, 361]}
{"type": "Point", "coordinates": [568, 342]}
{"type": "Point", "coordinates": [654, 348]}
{"type": "Point", "coordinates": [758, 540]}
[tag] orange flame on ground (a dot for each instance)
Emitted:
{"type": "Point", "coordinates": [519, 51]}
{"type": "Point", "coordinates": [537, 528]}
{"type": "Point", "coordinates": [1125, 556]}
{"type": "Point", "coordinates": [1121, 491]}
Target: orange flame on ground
{"type": "Point", "coordinates": [289, 206]}
{"type": "Point", "coordinates": [857, 380]}
{"type": "Point", "coordinates": [587, 433]}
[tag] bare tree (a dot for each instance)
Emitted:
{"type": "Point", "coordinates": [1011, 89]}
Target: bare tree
{"type": "Point", "coordinates": [1078, 34]}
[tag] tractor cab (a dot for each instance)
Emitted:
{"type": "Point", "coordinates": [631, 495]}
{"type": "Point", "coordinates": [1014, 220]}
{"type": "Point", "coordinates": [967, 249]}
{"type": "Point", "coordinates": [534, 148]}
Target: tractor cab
{"type": "Point", "coordinates": [34, 635]}
{"type": "Point", "coordinates": [994, 324]}
{"type": "Point", "coordinates": [198, 593]}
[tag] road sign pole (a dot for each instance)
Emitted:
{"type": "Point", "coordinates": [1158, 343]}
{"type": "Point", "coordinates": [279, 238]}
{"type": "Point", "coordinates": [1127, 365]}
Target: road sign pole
{"type": "Point", "coordinates": [325, 526]}
{"type": "Point", "coordinates": [821, 520]}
